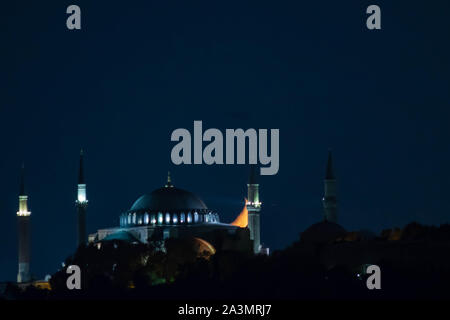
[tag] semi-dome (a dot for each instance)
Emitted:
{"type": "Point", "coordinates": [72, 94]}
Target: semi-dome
{"type": "Point", "coordinates": [169, 198]}
{"type": "Point", "coordinates": [121, 235]}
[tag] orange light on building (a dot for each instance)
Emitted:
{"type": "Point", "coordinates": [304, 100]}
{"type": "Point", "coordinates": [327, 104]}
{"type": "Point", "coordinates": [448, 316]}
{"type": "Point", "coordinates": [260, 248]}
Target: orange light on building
{"type": "Point", "coordinates": [42, 284]}
{"type": "Point", "coordinates": [204, 248]}
{"type": "Point", "coordinates": [242, 219]}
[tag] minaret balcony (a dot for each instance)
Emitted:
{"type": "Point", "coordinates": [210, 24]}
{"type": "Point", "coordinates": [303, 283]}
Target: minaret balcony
{"type": "Point", "coordinates": [81, 203]}
{"type": "Point", "coordinates": [255, 204]}
{"type": "Point", "coordinates": [23, 213]}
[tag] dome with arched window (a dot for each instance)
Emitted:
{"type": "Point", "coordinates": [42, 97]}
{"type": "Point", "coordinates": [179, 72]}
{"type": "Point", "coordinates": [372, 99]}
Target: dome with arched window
{"type": "Point", "coordinates": [168, 206]}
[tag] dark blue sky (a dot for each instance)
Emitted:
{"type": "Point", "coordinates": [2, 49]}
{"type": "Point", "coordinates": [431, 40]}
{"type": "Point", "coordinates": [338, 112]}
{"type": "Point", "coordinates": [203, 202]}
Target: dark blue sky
{"type": "Point", "coordinates": [138, 70]}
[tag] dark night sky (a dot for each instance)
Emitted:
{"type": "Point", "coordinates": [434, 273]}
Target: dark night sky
{"type": "Point", "coordinates": [138, 70]}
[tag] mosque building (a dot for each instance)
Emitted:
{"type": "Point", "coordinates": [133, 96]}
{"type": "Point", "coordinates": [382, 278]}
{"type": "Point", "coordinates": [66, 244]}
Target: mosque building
{"type": "Point", "coordinates": [172, 212]}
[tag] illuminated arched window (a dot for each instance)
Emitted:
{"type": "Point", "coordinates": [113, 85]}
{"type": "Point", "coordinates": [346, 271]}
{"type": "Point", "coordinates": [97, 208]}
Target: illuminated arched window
{"type": "Point", "coordinates": [175, 218]}
{"type": "Point", "coordinates": [182, 217]}
{"type": "Point", "coordinates": [189, 217]}
{"type": "Point", "coordinates": [134, 218]}
{"type": "Point", "coordinates": [146, 218]}
{"type": "Point", "coordinates": [153, 219]}
{"type": "Point", "coordinates": [167, 217]}
{"type": "Point", "coordinates": [160, 218]}
{"type": "Point", "coordinates": [195, 217]}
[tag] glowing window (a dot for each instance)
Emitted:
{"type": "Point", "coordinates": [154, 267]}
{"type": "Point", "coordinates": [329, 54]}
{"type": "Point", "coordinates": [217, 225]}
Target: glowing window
{"type": "Point", "coordinates": [134, 218]}
{"type": "Point", "coordinates": [166, 234]}
{"type": "Point", "coordinates": [160, 218]}
{"type": "Point", "coordinates": [146, 219]}
{"type": "Point", "coordinates": [189, 217]}
{"type": "Point", "coordinates": [153, 219]}
{"type": "Point", "coordinates": [175, 218]}
{"type": "Point", "coordinates": [182, 217]}
{"type": "Point", "coordinates": [195, 217]}
{"type": "Point", "coordinates": [167, 217]}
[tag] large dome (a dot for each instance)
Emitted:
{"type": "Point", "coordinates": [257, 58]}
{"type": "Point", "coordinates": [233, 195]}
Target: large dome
{"type": "Point", "coordinates": [322, 232]}
{"type": "Point", "coordinates": [168, 206]}
{"type": "Point", "coordinates": [168, 199]}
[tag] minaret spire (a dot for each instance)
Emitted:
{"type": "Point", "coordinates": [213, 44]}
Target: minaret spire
{"type": "Point", "coordinates": [81, 203]}
{"type": "Point", "coordinates": [330, 199]}
{"type": "Point", "coordinates": [22, 180]}
{"type": "Point", "coordinates": [81, 170]}
{"type": "Point", "coordinates": [169, 181]}
{"type": "Point", "coordinates": [252, 178]}
{"type": "Point", "coordinates": [23, 219]}
{"type": "Point", "coordinates": [254, 207]}
{"type": "Point", "coordinates": [329, 173]}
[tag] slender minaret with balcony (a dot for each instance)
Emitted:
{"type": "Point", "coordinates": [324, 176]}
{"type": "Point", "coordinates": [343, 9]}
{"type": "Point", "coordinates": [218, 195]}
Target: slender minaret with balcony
{"type": "Point", "coordinates": [169, 181]}
{"type": "Point", "coordinates": [254, 207]}
{"type": "Point", "coordinates": [330, 198]}
{"type": "Point", "coordinates": [23, 218]}
{"type": "Point", "coordinates": [81, 204]}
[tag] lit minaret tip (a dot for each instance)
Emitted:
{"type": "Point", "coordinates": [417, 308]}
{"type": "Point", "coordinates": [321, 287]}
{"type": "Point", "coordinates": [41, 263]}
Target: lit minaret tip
{"type": "Point", "coordinates": [81, 198]}
{"type": "Point", "coordinates": [23, 219]}
{"type": "Point", "coordinates": [81, 203]}
{"type": "Point", "coordinates": [254, 207]}
{"type": "Point", "coordinates": [330, 198]}
{"type": "Point", "coordinates": [23, 198]}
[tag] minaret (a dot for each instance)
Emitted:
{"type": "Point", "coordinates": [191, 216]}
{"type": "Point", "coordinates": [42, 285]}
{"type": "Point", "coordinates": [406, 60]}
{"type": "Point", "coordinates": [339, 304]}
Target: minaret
{"type": "Point", "coordinates": [254, 207]}
{"type": "Point", "coordinates": [329, 199]}
{"type": "Point", "coordinates": [81, 204]}
{"type": "Point", "coordinates": [169, 181]}
{"type": "Point", "coordinates": [23, 218]}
